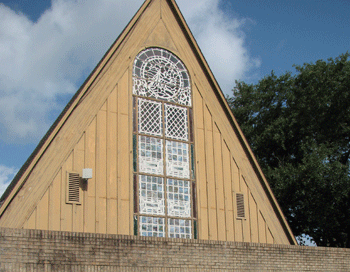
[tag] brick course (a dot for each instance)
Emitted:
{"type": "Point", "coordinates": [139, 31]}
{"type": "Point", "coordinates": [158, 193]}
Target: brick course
{"type": "Point", "coordinates": [36, 250]}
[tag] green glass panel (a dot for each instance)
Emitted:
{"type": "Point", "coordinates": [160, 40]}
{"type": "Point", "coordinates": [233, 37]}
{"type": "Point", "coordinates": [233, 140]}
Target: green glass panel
{"type": "Point", "coordinates": [136, 199]}
{"type": "Point", "coordinates": [134, 153]}
{"type": "Point", "coordinates": [135, 225]}
{"type": "Point", "coordinates": [195, 234]}
{"type": "Point", "coordinates": [191, 125]}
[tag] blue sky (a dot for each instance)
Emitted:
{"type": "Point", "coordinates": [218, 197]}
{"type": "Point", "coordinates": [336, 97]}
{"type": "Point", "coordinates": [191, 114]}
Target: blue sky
{"type": "Point", "coordinates": [47, 49]}
{"type": "Point", "coordinates": [283, 33]}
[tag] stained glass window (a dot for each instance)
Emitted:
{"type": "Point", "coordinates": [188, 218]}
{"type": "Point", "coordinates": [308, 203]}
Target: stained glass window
{"type": "Point", "coordinates": [179, 228]}
{"type": "Point", "coordinates": [163, 146]}
{"type": "Point", "coordinates": [150, 118]}
{"type": "Point", "coordinates": [176, 126]}
{"type": "Point", "coordinates": [159, 74]}
{"type": "Point", "coordinates": [177, 159]}
{"type": "Point", "coordinates": [151, 195]}
{"type": "Point", "coordinates": [150, 155]}
{"type": "Point", "coordinates": [178, 198]}
{"type": "Point", "coordinates": [152, 226]}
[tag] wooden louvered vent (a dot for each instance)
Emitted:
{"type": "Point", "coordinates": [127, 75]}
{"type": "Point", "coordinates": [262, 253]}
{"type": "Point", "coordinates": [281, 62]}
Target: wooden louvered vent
{"type": "Point", "coordinates": [240, 205]}
{"type": "Point", "coordinates": [73, 191]}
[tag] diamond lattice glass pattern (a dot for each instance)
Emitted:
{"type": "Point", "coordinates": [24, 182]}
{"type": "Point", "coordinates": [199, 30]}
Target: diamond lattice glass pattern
{"type": "Point", "coordinates": [176, 125]}
{"type": "Point", "coordinates": [150, 117]}
{"type": "Point", "coordinates": [177, 164]}
{"type": "Point", "coordinates": [160, 74]}
{"type": "Point", "coordinates": [152, 226]}
{"type": "Point", "coordinates": [178, 198]}
{"type": "Point", "coordinates": [150, 155]}
{"type": "Point", "coordinates": [151, 195]}
{"type": "Point", "coordinates": [179, 228]}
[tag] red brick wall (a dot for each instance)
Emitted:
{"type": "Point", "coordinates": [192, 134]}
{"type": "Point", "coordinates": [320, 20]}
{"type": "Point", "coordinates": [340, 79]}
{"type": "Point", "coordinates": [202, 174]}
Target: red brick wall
{"type": "Point", "coordinates": [35, 250]}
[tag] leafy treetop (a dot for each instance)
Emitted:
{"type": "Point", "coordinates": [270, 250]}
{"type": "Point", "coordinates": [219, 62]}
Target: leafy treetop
{"type": "Point", "coordinates": [298, 126]}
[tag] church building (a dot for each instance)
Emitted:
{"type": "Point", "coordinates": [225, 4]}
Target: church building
{"type": "Point", "coordinates": [148, 146]}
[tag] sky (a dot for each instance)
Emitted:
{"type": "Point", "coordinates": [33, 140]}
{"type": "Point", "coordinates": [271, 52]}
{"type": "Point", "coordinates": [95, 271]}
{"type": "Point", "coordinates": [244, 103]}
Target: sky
{"type": "Point", "coordinates": [48, 48]}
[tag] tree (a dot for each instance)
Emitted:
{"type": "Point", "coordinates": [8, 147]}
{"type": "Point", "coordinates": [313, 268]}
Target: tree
{"type": "Point", "coordinates": [298, 126]}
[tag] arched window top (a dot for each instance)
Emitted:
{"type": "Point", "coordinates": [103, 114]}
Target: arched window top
{"type": "Point", "coordinates": [159, 74]}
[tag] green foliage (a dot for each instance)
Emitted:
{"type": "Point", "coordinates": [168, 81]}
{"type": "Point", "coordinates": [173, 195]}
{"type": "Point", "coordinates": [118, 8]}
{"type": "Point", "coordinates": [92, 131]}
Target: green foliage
{"type": "Point", "coordinates": [299, 127]}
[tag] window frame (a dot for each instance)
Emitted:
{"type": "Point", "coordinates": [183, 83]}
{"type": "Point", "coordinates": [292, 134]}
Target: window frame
{"type": "Point", "coordinates": [190, 142]}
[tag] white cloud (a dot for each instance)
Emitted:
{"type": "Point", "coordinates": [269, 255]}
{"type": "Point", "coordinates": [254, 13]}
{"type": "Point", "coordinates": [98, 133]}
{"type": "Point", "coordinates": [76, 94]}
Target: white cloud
{"type": "Point", "coordinates": [6, 175]}
{"type": "Point", "coordinates": [42, 61]}
{"type": "Point", "coordinates": [221, 39]}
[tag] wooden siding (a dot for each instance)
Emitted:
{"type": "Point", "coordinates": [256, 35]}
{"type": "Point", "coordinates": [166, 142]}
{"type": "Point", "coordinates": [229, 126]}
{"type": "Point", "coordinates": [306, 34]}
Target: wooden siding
{"type": "Point", "coordinates": [98, 135]}
{"type": "Point", "coordinates": [105, 206]}
{"type": "Point", "coordinates": [219, 178]}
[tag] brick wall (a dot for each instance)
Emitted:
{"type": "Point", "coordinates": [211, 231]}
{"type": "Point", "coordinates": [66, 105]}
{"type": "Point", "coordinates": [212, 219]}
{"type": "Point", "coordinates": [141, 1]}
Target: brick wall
{"type": "Point", "coordinates": [35, 250]}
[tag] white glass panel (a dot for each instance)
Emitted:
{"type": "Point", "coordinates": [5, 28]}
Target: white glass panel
{"type": "Point", "coordinates": [179, 228]}
{"type": "Point", "coordinates": [184, 97]}
{"type": "Point", "coordinates": [178, 198]}
{"type": "Point", "coordinates": [150, 155]}
{"type": "Point", "coordinates": [150, 117]}
{"type": "Point", "coordinates": [151, 195]}
{"type": "Point", "coordinates": [140, 87]}
{"type": "Point", "coordinates": [177, 159]}
{"type": "Point", "coordinates": [176, 125]}
{"type": "Point", "coordinates": [152, 226]}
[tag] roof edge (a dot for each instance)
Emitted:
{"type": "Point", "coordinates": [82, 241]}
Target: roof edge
{"type": "Point", "coordinates": [236, 127]}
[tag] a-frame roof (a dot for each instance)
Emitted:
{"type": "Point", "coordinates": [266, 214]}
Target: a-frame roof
{"type": "Point", "coordinates": [27, 168]}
